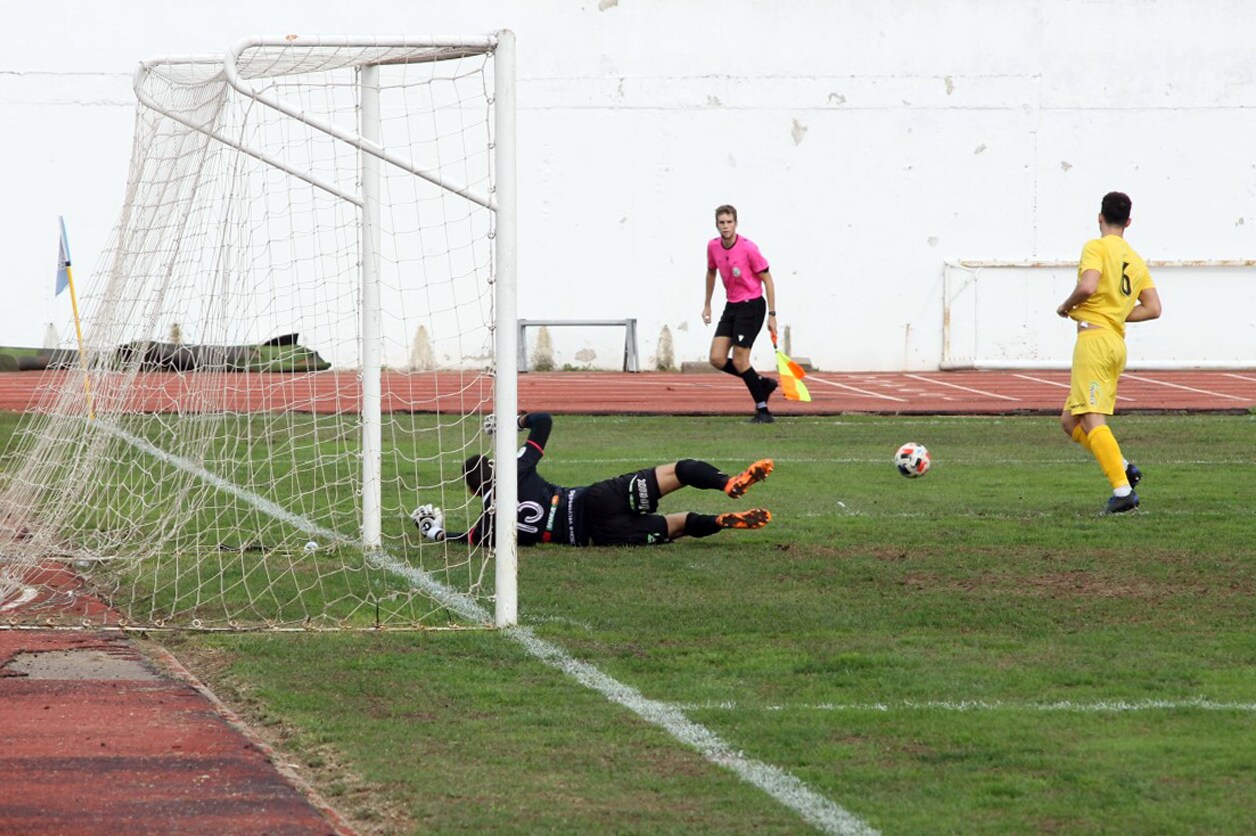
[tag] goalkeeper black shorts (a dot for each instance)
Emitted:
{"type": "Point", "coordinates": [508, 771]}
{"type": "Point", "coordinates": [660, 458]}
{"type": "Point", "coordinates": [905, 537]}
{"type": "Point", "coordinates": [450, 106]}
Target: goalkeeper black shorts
{"type": "Point", "coordinates": [620, 511]}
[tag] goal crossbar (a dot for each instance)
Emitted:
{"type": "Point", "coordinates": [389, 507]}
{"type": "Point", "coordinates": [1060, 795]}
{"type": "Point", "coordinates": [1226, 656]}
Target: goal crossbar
{"type": "Point", "coordinates": [231, 70]}
{"type": "Point", "coordinates": [141, 76]}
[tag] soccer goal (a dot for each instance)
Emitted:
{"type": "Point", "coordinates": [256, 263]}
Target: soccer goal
{"type": "Point", "coordinates": [305, 312]}
{"type": "Point", "coordinates": [1001, 315]}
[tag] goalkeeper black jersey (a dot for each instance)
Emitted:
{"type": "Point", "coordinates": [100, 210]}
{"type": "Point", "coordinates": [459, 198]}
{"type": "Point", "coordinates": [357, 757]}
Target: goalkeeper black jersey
{"type": "Point", "coordinates": [544, 512]}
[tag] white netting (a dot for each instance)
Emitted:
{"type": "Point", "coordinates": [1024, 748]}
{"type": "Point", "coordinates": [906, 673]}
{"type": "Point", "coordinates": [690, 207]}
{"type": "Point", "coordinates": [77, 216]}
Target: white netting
{"type": "Point", "coordinates": [217, 427]}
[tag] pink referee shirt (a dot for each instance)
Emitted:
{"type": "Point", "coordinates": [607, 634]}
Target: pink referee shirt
{"type": "Point", "coordinates": [739, 266]}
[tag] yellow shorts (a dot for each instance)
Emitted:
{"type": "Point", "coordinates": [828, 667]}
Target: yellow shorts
{"type": "Point", "coordinates": [1098, 360]}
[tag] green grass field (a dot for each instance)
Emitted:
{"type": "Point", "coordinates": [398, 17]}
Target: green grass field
{"type": "Point", "coordinates": [971, 652]}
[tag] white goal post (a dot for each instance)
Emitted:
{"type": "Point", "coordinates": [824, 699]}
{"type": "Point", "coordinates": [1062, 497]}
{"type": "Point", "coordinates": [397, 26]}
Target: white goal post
{"type": "Point", "coordinates": [299, 215]}
{"type": "Point", "coordinates": [1001, 315]}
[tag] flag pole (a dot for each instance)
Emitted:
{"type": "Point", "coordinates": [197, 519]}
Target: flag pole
{"type": "Point", "coordinates": [63, 268]}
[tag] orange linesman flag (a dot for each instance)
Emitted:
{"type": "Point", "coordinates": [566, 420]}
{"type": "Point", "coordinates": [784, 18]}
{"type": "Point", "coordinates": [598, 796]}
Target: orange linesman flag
{"type": "Point", "coordinates": [791, 376]}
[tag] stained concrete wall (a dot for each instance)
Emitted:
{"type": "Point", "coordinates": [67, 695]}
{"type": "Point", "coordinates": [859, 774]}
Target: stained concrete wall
{"type": "Point", "coordinates": [864, 144]}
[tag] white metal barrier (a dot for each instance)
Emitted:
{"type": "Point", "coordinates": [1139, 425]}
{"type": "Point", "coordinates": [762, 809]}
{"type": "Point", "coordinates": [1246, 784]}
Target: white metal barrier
{"type": "Point", "coordinates": [630, 337]}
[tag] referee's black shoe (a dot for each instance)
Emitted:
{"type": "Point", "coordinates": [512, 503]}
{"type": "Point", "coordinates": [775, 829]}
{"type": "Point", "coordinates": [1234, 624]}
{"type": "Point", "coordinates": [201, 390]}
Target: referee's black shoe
{"type": "Point", "coordinates": [762, 416]}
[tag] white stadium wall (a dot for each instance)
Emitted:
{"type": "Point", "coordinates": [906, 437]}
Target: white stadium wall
{"type": "Point", "coordinates": [865, 145]}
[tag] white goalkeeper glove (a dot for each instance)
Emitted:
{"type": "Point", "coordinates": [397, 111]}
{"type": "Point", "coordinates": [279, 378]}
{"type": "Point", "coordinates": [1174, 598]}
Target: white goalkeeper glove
{"type": "Point", "coordinates": [490, 423]}
{"type": "Point", "coordinates": [430, 520]}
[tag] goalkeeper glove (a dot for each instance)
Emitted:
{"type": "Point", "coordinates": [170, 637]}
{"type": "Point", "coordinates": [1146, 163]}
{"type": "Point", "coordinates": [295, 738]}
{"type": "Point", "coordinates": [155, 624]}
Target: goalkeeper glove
{"type": "Point", "coordinates": [430, 520]}
{"type": "Point", "coordinates": [490, 423]}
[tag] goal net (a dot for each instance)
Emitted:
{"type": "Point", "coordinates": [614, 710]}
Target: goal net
{"type": "Point", "coordinates": [302, 318]}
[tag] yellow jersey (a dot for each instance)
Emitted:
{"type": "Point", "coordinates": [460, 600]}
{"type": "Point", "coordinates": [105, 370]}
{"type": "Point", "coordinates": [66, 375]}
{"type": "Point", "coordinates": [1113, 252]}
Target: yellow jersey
{"type": "Point", "coordinates": [1122, 276]}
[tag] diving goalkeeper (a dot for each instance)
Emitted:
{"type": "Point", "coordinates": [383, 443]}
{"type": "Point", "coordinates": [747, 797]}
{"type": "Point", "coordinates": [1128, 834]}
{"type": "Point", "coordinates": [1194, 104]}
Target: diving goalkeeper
{"type": "Point", "coordinates": [613, 512]}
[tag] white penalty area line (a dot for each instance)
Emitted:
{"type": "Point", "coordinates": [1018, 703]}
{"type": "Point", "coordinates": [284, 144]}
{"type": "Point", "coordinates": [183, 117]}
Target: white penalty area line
{"type": "Point", "coordinates": [814, 808]}
{"type": "Point", "coordinates": [1066, 706]}
{"type": "Point", "coordinates": [786, 789]}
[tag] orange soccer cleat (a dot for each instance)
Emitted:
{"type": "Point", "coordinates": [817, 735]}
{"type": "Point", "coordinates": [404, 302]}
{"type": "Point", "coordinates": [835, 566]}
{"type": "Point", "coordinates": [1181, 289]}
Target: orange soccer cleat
{"type": "Point", "coordinates": [757, 472]}
{"type": "Point", "coordinates": [754, 518]}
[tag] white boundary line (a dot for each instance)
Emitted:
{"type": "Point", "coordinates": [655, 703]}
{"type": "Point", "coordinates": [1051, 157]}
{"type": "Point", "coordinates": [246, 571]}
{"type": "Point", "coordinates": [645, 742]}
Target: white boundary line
{"type": "Point", "coordinates": [1240, 376]}
{"type": "Point", "coordinates": [788, 790]}
{"type": "Point", "coordinates": [1097, 707]}
{"type": "Point", "coordinates": [1062, 385]}
{"type": "Point", "coordinates": [957, 386]}
{"type": "Point", "coordinates": [1186, 388]}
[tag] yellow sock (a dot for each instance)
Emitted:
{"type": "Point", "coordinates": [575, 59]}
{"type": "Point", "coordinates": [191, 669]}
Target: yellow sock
{"type": "Point", "coordinates": [1079, 435]}
{"type": "Point", "coordinates": [1103, 447]}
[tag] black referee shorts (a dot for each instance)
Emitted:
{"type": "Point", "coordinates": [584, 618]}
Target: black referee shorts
{"type": "Point", "coordinates": [742, 321]}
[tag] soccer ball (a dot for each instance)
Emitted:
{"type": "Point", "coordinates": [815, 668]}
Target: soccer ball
{"type": "Point", "coordinates": [912, 460]}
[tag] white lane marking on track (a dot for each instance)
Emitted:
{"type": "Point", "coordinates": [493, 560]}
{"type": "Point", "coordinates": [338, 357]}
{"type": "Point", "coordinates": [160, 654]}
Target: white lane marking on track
{"type": "Point", "coordinates": [788, 790]}
{"type": "Point", "coordinates": [1040, 380]}
{"type": "Point", "coordinates": [1064, 385]}
{"type": "Point", "coordinates": [965, 388]}
{"type": "Point", "coordinates": [1187, 388]}
{"type": "Point", "coordinates": [814, 379]}
{"type": "Point", "coordinates": [1240, 376]}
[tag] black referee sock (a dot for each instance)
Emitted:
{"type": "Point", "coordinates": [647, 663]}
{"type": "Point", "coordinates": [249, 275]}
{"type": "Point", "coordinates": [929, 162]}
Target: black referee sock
{"type": "Point", "coordinates": [729, 368]}
{"type": "Point", "coordinates": [696, 474]}
{"type": "Point", "coordinates": [754, 384]}
{"type": "Point", "coordinates": [701, 525]}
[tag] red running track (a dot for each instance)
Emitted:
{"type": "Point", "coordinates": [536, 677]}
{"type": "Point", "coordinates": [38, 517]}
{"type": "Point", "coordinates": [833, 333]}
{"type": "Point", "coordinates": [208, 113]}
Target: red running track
{"type": "Point", "coordinates": [960, 392]}
{"type": "Point", "coordinates": [101, 741]}
{"type": "Point", "coordinates": [971, 392]}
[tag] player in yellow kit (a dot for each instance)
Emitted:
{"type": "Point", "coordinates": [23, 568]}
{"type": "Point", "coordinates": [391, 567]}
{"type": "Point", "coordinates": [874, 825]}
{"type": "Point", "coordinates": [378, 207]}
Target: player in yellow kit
{"type": "Point", "coordinates": [1113, 288]}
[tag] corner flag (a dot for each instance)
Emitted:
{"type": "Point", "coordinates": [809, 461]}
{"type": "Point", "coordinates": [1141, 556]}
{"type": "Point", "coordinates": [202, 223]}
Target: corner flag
{"type": "Point", "coordinates": [65, 278]}
{"type": "Point", "coordinates": [63, 261]}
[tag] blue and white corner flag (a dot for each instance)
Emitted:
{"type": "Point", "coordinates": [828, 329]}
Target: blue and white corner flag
{"type": "Point", "coordinates": [63, 261]}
